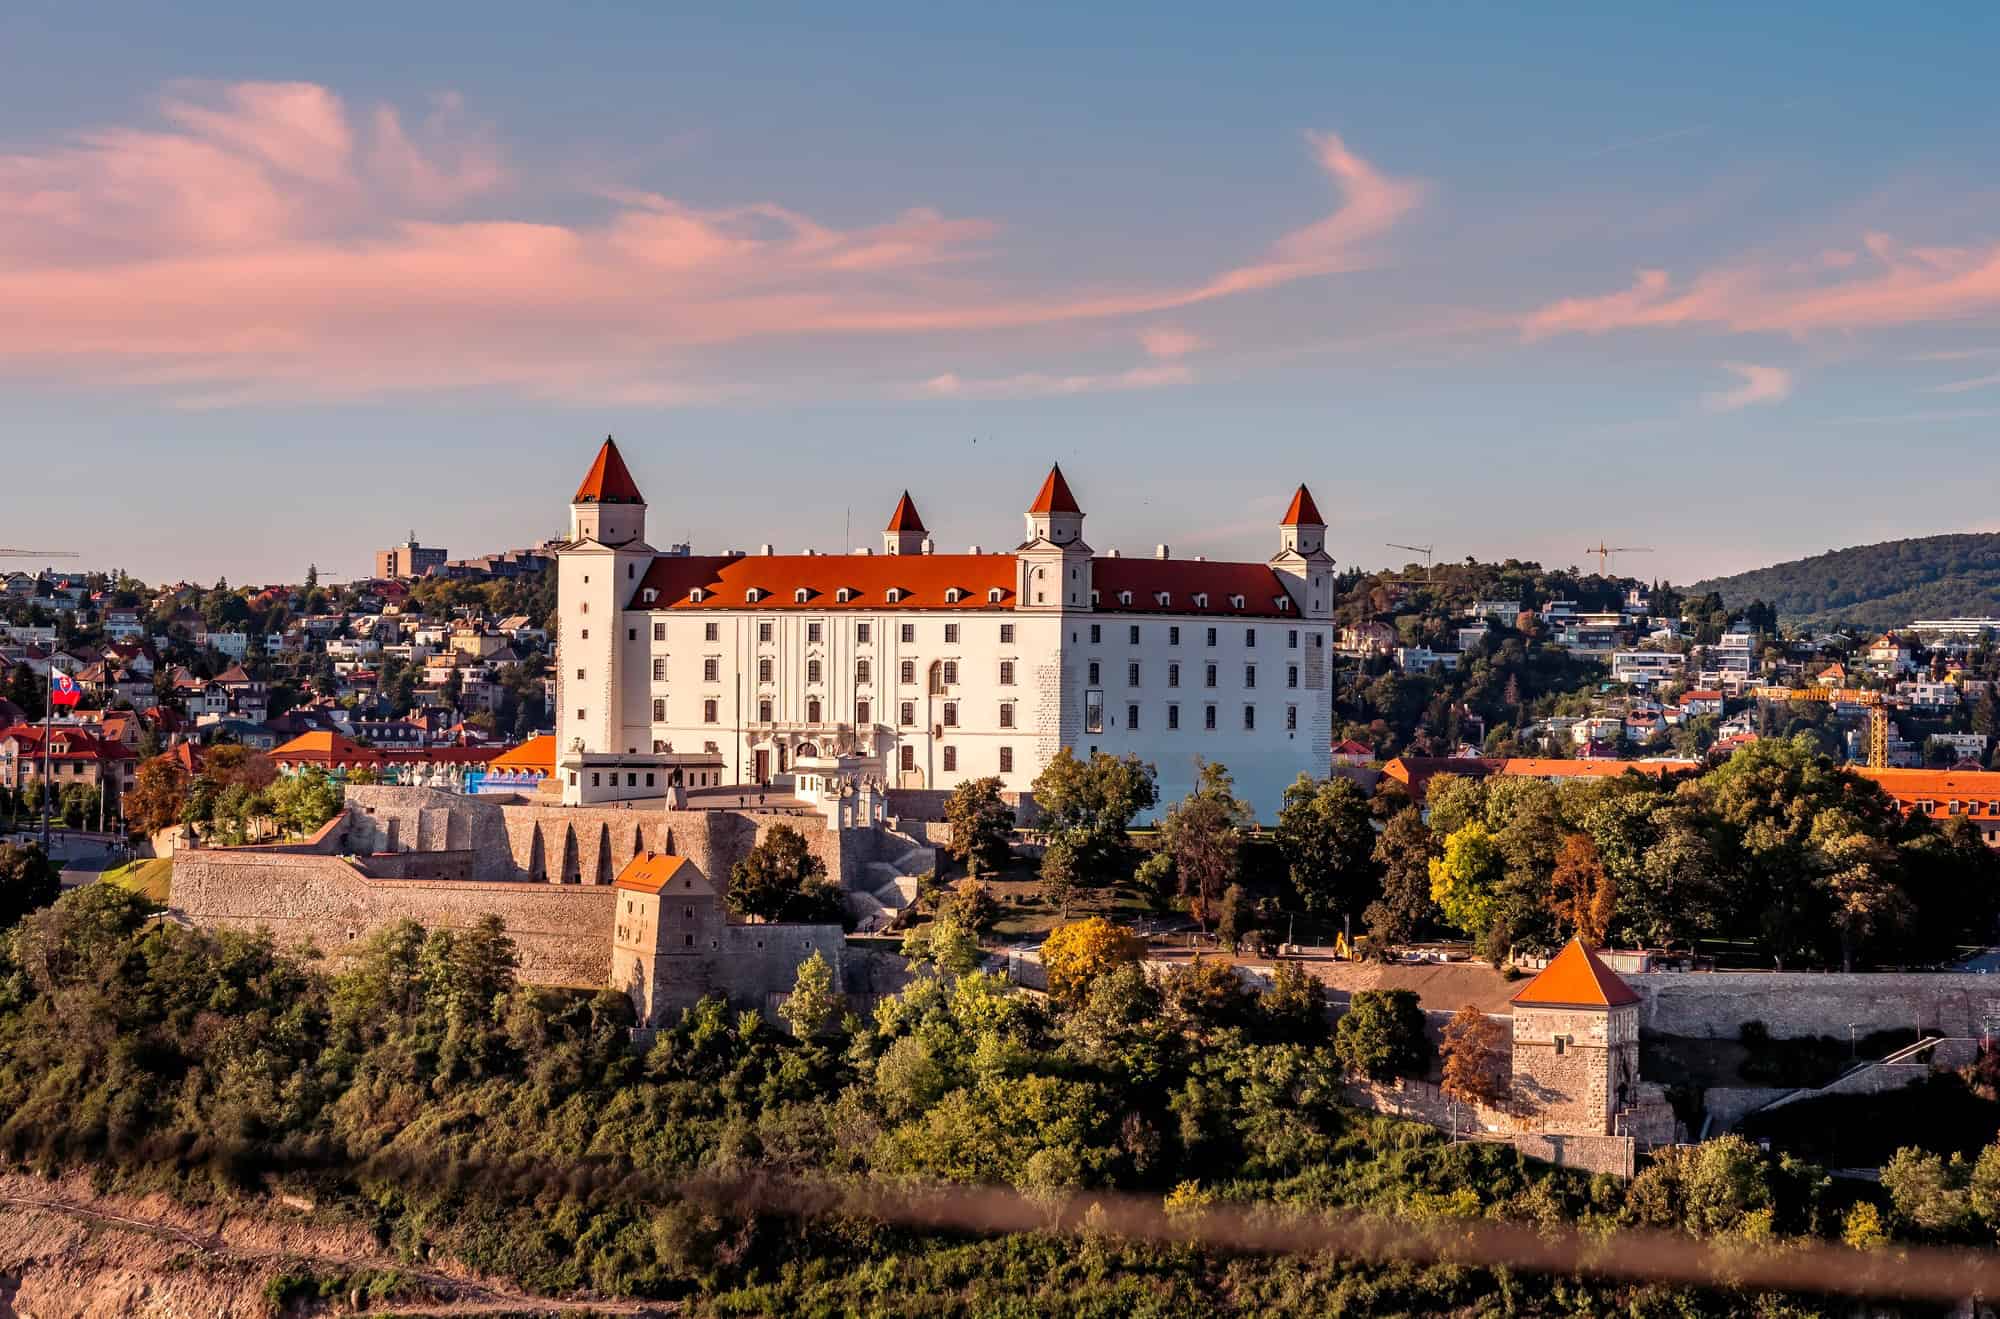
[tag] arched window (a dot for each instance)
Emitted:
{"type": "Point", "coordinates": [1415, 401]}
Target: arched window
{"type": "Point", "coordinates": [862, 670]}
{"type": "Point", "coordinates": [763, 670]}
{"type": "Point", "coordinates": [812, 671]}
{"type": "Point", "coordinates": [812, 711]}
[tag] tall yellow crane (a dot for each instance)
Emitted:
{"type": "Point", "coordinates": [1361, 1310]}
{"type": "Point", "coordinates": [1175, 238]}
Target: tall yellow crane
{"type": "Point", "coordinates": [1878, 712]}
{"type": "Point", "coordinates": [1604, 553]}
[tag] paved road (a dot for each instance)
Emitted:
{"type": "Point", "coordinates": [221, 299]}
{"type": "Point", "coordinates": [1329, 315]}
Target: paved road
{"type": "Point", "coordinates": [84, 856]}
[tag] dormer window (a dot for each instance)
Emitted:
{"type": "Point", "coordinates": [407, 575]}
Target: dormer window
{"type": "Point", "coordinates": [1235, 602]}
{"type": "Point", "coordinates": [995, 596]}
{"type": "Point", "coordinates": [894, 595]}
{"type": "Point", "coordinates": [755, 593]}
{"type": "Point", "coordinates": [953, 596]}
{"type": "Point", "coordinates": [801, 595]}
{"type": "Point", "coordinates": [1163, 598]}
{"type": "Point", "coordinates": [1093, 599]}
{"type": "Point", "coordinates": [1284, 602]}
{"type": "Point", "coordinates": [1201, 599]}
{"type": "Point", "coordinates": [697, 595]}
{"type": "Point", "coordinates": [844, 594]}
{"type": "Point", "coordinates": [649, 595]}
{"type": "Point", "coordinates": [1124, 597]}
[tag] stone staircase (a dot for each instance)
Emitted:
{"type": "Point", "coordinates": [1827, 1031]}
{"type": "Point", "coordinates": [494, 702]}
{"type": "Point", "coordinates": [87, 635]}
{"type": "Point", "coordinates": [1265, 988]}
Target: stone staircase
{"type": "Point", "coordinates": [887, 888]}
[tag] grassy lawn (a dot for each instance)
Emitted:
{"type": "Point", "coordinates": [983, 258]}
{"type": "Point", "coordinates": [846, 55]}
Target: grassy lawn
{"type": "Point", "coordinates": [1025, 915]}
{"type": "Point", "coordinates": [150, 877]}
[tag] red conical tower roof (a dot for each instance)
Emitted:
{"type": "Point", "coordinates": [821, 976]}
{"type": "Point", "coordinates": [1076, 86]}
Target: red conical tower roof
{"type": "Point", "coordinates": [1574, 978]}
{"type": "Point", "coordinates": [1303, 512]}
{"type": "Point", "coordinates": [905, 517]}
{"type": "Point", "coordinates": [608, 482]}
{"type": "Point", "coordinates": [1055, 496]}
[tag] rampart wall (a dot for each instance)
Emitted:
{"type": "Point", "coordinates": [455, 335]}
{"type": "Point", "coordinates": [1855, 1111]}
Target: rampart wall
{"type": "Point", "coordinates": [562, 932]}
{"type": "Point", "coordinates": [1794, 1004]}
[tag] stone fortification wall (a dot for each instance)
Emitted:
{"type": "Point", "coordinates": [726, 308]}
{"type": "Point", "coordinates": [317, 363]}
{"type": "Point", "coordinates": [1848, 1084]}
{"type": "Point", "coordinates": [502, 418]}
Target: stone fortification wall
{"type": "Point", "coordinates": [1794, 1004]}
{"type": "Point", "coordinates": [562, 932]}
{"type": "Point", "coordinates": [518, 839]}
{"type": "Point", "coordinates": [911, 805]}
{"type": "Point", "coordinates": [1617, 1155]}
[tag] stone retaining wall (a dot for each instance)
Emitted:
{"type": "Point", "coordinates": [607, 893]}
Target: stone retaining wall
{"type": "Point", "coordinates": [562, 931]}
{"type": "Point", "coordinates": [1795, 1004]}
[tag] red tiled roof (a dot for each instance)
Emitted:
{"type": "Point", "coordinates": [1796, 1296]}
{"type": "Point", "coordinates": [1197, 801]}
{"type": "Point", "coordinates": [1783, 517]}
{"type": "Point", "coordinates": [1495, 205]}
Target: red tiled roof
{"type": "Point", "coordinates": [608, 482]}
{"type": "Point", "coordinates": [1550, 768]}
{"type": "Point", "coordinates": [326, 749]}
{"type": "Point", "coordinates": [905, 517]}
{"type": "Point", "coordinates": [65, 744]}
{"type": "Point", "coordinates": [1353, 748]}
{"type": "Point", "coordinates": [1181, 580]}
{"type": "Point", "coordinates": [1055, 496]}
{"type": "Point", "coordinates": [1574, 978]}
{"type": "Point", "coordinates": [1416, 772]}
{"type": "Point", "coordinates": [924, 580]}
{"type": "Point", "coordinates": [649, 872]}
{"type": "Point", "coordinates": [1977, 790]}
{"type": "Point", "coordinates": [537, 753]}
{"type": "Point", "coordinates": [1303, 511]}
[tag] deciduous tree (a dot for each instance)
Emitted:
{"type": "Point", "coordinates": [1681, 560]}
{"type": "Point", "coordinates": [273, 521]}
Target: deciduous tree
{"type": "Point", "coordinates": [1381, 1035]}
{"type": "Point", "coordinates": [1475, 1061]}
{"type": "Point", "coordinates": [1203, 832]}
{"type": "Point", "coordinates": [1328, 845]}
{"type": "Point", "coordinates": [1076, 954]}
{"type": "Point", "coordinates": [1466, 879]}
{"type": "Point", "coordinates": [781, 880]}
{"type": "Point", "coordinates": [982, 824]}
{"type": "Point", "coordinates": [1582, 895]}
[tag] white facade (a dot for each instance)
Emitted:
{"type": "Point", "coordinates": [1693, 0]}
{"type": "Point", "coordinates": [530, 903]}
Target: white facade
{"type": "Point", "coordinates": [929, 669]}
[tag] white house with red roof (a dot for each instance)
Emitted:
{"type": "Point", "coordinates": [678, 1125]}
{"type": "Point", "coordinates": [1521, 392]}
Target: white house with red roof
{"type": "Point", "coordinates": [921, 670]}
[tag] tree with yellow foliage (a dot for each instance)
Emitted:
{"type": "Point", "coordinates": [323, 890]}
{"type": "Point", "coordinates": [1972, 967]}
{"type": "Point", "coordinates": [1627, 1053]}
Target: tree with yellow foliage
{"type": "Point", "coordinates": [1076, 954]}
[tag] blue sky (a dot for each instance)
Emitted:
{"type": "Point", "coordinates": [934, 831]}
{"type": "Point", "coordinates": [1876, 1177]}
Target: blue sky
{"type": "Point", "coordinates": [286, 285]}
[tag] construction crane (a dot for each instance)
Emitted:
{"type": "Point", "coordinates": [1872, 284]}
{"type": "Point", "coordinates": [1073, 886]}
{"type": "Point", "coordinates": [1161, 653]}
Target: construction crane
{"type": "Point", "coordinates": [1424, 550]}
{"type": "Point", "coordinates": [1604, 553]}
{"type": "Point", "coordinates": [1878, 712]}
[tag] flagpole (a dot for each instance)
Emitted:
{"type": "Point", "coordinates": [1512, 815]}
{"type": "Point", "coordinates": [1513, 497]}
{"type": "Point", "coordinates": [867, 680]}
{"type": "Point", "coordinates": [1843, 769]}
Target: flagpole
{"type": "Point", "coordinates": [48, 713]}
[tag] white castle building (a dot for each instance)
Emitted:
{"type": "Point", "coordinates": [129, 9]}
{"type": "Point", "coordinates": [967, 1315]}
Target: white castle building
{"type": "Point", "coordinates": [914, 669]}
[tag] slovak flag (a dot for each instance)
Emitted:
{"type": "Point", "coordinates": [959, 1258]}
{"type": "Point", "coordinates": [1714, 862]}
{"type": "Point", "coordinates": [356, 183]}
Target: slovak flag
{"type": "Point", "coordinates": [63, 689]}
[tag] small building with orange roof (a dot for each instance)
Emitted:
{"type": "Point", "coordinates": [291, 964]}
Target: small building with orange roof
{"type": "Point", "coordinates": [1576, 1045]}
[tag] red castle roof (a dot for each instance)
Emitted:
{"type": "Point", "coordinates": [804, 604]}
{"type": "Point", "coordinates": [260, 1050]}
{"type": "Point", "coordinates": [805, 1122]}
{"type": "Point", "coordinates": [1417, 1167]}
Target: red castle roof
{"type": "Point", "coordinates": [608, 482]}
{"type": "Point", "coordinates": [1574, 978]}
{"type": "Point", "coordinates": [1055, 496]}
{"type": "Point", "coordinates": [905, 517]}
{"type": "Point", "coordinates": [1303, 512]}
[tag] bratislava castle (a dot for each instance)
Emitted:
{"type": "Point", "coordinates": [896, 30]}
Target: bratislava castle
{"type": "Point", "coordinates": [915, 669]}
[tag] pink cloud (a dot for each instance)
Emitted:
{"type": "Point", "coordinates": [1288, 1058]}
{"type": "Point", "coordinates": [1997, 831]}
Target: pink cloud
{"type": "Point", "coordinates": [1761, 384]}
{"type": "Point", "coordinates": [1035, 384]}
{"type": "Point", "coordinates": [1167, 343]}
{"type": "Point", "coordinates": [268, 241]}
{"type": "Point", "coordinates": [1893, 285]}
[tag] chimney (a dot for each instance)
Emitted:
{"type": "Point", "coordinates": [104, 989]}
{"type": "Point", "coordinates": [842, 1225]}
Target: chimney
{"type": "Point", "coordinates": [1201, 558]}
{"type": "Point", "coordinates": [764, 551]}
{"type": "Point", "coordinates": [929, 546]}
{"type": "Point", "coordinates": [1162, 552]}
{"type": "Point", "coordinates": [975, 550]}
{"type": "Point", "coordinates": [1112, 554]}
{"type": "Point", "coordinates": [865, 549]}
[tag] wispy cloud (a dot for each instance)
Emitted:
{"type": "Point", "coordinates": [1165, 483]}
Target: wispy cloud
{"type": "Point", "coordinates": [1894, 285]}
{"type": "Point", "coordinates": [267, 240]}
{"type": "Point", "coordinates": [1761, 384]}
{"type": "Point", "coordinates": [1035, 384]}
{"type": "Point", "coordinates": [1652, 139]}
{"type": "Point", "coordinates": [1966, 386]}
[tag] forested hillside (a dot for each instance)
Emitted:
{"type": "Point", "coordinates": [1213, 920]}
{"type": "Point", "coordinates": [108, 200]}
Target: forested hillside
{"type": "Point", "coordinates": [1876, 586]}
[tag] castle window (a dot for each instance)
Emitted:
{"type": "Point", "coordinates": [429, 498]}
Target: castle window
{"type": "Point", "coordinates": [1006, 760]}
{"type": "Point", "coordinates": [908, 757]}
{"type": "Point", "coordinates": [1006, 673]}
{"type": "Point", "coordinates": [649, 595]}
{"type": "Point", "coordinates": [812, 711]}
{"type": "Point", "coordinates": [1006, 714]}
{"type": "Point", "coordinates": [813, 671]}
{"type": "Point", "coordinates": [1091, 673]}
{"type": "Point", "coordinates": [895, 595]}
{"type": "Point", "coordinates": [844, 594]}
{"type": "Point", "coordinates": [1208, 718]}
{"type": "Point", "coordinates": [697, 595]}
{"type": "Point", "coordinates": [951, 760]}
{"type": "Point", "coordinates": [1201, 602]}
{"type": "Point", "coordinates": [763, 670]}
{"type": "Point", "coordinates": [953, 596]}
{"type": "Point", "coordinates": [951, 634]}
{"type": "Point", "coordinates": [994, 596]}
{"type": "Point", "coordinates": [951, 714]}
{"type": "Point", "coordinates": [907, 715]}
{"type": "Point", "coordinates": [862, 671]}
{"type": "Point", "coordinates": [861, 712]}
{"type": "Point", "coordinates": [659, 711]}
{"type": "Point", "coordinates": [907, 633]}
{"type": "Point", "coordinates": [579, 675]}
{"type": "Point", "coordinates": [709, 711]}
{"type": "Point", "coordinates": [1561, 1042]}
{"type": "Point", "coordinates": [1173, 717]}
{"type": "Point", "coordinates": [1131, 716]}
{"type": "Point", "coordinates": [1291, 718]}
{"type": "Point", "coordinates": [950, 672]}
{"type": "Point", "coordinates": [801, 595]}
{"type": "Point", "coordinates": [584, 608]}
{"type": "Point", "coordinates": [764, 632]}
{"type": "Point", "coordinates": [1249, 717]}
{"type": "Point", "coordinates": [711, 669]}
{"type": "Point", "coordinates": [1208, 676]}
{"type": "Point", "coordinates": [1132, 674]}
{"type": "Point", "coordinates": [907, 671]}
{"type": "Point", "coordinates": [1173, 633]}
{"type": "Point", "coordinates": [814, 633]}
{"type": "Point", "coordinates": [631, 634]}
{"type": "Point", "coordinates": [1173, 675]}
{"type": "Point", "coordinates": [1249, 633]}
{"type": "Point", "coordinates": [1125, 598]}
{"type": "Point", "coordinates": [1006, 634]}
{"type": "Point", "coordinates": [861, 632]}
{"type": "Point", "coordinates": [710, 631]}
{"type": "Point", "coordinates": [1249, 675]}
{"type": "Point", "coordinates": [1291, 675]}
{"type": "Point", "coordinates": [1292, 639]}
{"type": "Point", "coordinates": [1096, 634]}
{"type": "Point", "coordinates": [690, 941]}
{"type": "Point", "coordinates": [659, 670]}
{"type": "Point", "coordinates": [764, 711]}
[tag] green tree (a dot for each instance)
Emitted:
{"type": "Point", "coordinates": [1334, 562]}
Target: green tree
{"type": "Point", "coordinates": [29, 881]}
{"type": "Point", "coordinates": [1465, 880]}
{"type": "Point", "coordinates": [1926, 1192]}
{"type": "Point", "coordinates": [1203, 832]}
{"type": "Point", "coordinates": [1327, 840]}
{"type": "Point", "coordinates": [1403, 853]}
{"type": "Point", "coordinates": [304, 801]}
{"type": "Point", "coordinates": [781, 880]}
{"type": "Point", "coordinates": [814, 1003]}
{"type": "Point", "coordinates": [27, 691]}
{"type": "Point", "coordinates": [982, 825]}
{"type": "Point", "coordinates": [1381, 1035]}
{"type": "Point", "coordinates": [1090, 804]}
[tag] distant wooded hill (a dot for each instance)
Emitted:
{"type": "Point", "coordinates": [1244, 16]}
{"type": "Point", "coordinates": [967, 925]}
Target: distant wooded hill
{"type": "Point", "coordinates": [1876, 586]}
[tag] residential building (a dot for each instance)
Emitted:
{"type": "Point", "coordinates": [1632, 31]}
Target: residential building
{"type": "Point", "coordinates": [1644, 668]}
{"type": "Point", "coordinates": [408, 559]}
